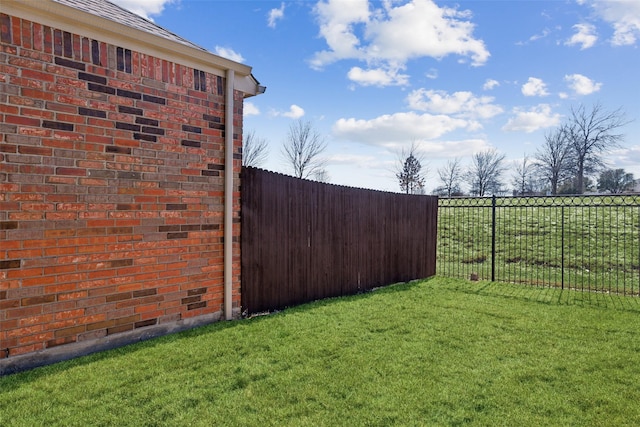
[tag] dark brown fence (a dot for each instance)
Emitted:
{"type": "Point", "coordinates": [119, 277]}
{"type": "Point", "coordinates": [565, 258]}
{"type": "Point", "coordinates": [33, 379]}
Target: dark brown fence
{"type": "Point", "coordinates": [304, 240]}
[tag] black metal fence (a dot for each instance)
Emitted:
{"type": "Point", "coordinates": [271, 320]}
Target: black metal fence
{"type": "Point", "coordinates": [589, 243]}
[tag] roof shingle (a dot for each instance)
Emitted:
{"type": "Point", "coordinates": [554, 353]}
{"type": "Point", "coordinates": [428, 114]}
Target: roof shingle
{"type": "Point", "coordinates": [106, 9]}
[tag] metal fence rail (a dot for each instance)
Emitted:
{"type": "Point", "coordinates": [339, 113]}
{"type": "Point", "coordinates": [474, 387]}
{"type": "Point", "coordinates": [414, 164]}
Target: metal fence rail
{"type": "Point", "coordinates": [589, 243]}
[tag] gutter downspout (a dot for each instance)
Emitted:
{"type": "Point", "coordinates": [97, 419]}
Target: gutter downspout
{"type": "Point", "coordinates": [228, 197]}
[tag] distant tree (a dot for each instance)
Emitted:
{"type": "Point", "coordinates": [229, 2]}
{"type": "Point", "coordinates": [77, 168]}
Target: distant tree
{"type": "Point", "coordinates": [450, 175]}
{"type": "Point", "coordinates": [554, 160]}
{"type": "Point", "coordinates": [254, 150]}
{"type": "Point", "coordinates": [592, 133]}
{"type": "Point", "coordinates": [302, 149]}
{"type": "Point", "coordinates": [321, 176]}
{"type": "Point", "coordinates": [409, 171]}
{"type": "Point", "coordinates": [570, 186]}
{"type": "Point", "coordinates": [615, 181]}
{"type": "Point", "coordinates": [485, 173]}
{"type": "Point", "coordinates": [523, 178]}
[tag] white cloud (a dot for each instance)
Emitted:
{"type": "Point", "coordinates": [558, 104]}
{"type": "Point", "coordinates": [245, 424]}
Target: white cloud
{"type": "Point", "coordinates": [432, 74]}
{"type": "Point", "coordinates": [388, 37]}
{"type": "Point", "coordinates": [542, 35]}
{"type": "Point", "coordinates": [250, 109]}
{"type": "Point", "coordinates": [275, 15]}
{"type": "Point", "coordinates": [624, 16]}
{"type": "Point", "coordinates": [228, 53]}
{"type": "Point", "coordinates": [377, 77]}
{"type": "Point", "coordinates": [627, 158]}
{"type": "Point", "coordinates": [490, 84]}
{"type": "Point", "coordinates": [462, 104]}
{"type": "Point", "coordinates": [397, 128]}
{"type": "Point", "coordinates": [453, 149]}
{"type": "Point", "coordinates": [538, 117]}
{"type": "Point", "coordinates": [582, 85]}
{"type": "Point", "coordinates": [145, 8]}
{"type": "Point", "coordinates": [534, 87]}
{"type": "Point", "coordinates": [295, 112]}
{"type": "Point", "coordinates": [361, 161]}
{"type": "Point", "coordinates": [337, 20]}
{"type": "Point", "coordinates": [585, 36]}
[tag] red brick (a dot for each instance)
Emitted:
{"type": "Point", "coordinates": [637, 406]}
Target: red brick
{"type": "Point", "coordinates": [20, 120]}
{"type": "Point", "coordinates": [23, 331]}
{"type": "Point", "coordinates": [70, 331]}
{"type": "Point", "coordinates": [71, 314]}
{"type": "Point", "coordinates": [35, 320]}
{"type": "Point", "coordinates": [86, 254]}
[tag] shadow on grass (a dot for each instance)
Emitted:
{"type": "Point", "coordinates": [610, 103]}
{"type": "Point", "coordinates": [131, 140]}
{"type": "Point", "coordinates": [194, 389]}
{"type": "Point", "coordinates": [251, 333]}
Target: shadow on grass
{"type": "Point", "coordinates": [533, 294]}
{"type": "Point", "coordinates": [552, 296]}
{"type": "Point", "coordinates": [35, 374]}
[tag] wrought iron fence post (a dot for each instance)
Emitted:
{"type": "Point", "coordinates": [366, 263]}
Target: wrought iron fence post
{"type": "Point", "coordinates": [493, 238]}
{"type": "Point", "coordinates": [562, 248]}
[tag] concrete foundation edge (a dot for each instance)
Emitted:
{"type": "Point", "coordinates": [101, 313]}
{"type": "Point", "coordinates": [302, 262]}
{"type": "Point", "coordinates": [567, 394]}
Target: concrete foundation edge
{"type": "Point", "coordinates": [53, 355]}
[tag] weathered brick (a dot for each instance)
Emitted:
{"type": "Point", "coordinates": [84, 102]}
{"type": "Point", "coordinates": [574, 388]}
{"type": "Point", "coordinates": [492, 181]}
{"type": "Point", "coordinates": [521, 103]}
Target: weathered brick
{"type": "Point", "coordinates": [144, 323]}
{"type": "Point", "coordinates": [130, 110]}
{"type": "Point", "coordinates": [192, 129]}
{"type": "Point", "coordinates": [11, 263]}
{"type": "Point", "coordinates": [144, 293]}
{"type": "Point", "coordinates": [37, 300]}
{"type": "Point", "coordinates": [148, 122]}
{"type": "Point", "coordinates": [92, 78]}
{"type": "Point", "coordinates": [57, 125]}
{"type": "Point", "coordinates": [128, 94]}
{"type": "Point", "coordinates": [91, 112]}
{"type": "Point", "coordinates": [196, 305]}
{"type": "Point", "coordinates": [190, 143]}
{"type": "Point", "coordinates": [106, 203]}
{"type": "Point", "coordinates": [68, 63]}
{"type": "Point", "coordinates": [101, 88]}
{"type": "Point", "coordinates": [181, 235]}
{"type": "Point", "coordinates": [128, 126]}
{"type": "Point", "coordinates": [118, 297]}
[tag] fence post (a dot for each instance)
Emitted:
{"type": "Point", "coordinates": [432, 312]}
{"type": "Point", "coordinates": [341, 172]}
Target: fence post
{"type": "Point", "coordinates": [562, 248]}
{"type": "Point", "coordinates": [493, 238]}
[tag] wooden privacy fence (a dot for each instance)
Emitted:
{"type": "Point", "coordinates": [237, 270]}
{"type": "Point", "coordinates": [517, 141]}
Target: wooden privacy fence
{"type": "Point", "coordinates": [304, 240]}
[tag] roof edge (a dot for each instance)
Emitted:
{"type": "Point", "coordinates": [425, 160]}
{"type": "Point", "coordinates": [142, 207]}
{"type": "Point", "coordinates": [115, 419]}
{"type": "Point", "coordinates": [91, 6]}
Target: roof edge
{"type": "Point", "coordinates": [76, 21]}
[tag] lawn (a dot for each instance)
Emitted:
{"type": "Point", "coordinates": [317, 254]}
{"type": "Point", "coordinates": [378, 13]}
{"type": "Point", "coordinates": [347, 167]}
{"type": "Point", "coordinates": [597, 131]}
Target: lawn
{"type": "Point", "coordinates": [580, 242]}
{"type": "Point", "coordinates": [435, 352]}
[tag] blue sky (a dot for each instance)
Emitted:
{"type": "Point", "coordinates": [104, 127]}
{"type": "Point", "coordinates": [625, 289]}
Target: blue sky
{"type": "Point", "coordinates": [454, 78]}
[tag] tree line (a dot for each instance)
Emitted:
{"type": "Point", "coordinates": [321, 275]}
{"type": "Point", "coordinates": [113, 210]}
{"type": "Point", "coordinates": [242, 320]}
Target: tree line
{"type": "Point", "coordinates": [571, 155]}
{"type": "Point", "coordinates": [566, 163]}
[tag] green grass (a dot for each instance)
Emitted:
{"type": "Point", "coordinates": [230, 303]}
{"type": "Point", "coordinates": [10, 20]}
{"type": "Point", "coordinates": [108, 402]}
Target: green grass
{"type": "Point", "coordinates": [594, 241]}
{"type": "Point", "coordinates": [436, 352]}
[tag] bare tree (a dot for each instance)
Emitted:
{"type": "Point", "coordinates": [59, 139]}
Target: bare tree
{"type": "Point", "coordinates": [555, 160]}
{"type": "Point", "coordinates": [254, 150]}
{"type": "Point", "coordinates": [409, 171]}
{"type": "Point", "coordinates": [302, 149]}
{"type": "Point", "coordinates": [451, 175]}
{"type": "Point", "coordinates": [524, 177]}
{"type": "Point", "coordinates": [322, 176]}
{"type": "Point", "coordinates": [485, 172]}
{"type": "Point", "coordinates": [592, 133]}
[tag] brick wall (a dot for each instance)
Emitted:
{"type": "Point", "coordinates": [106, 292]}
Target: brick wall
{"type": "Point", "coordinates": [111, 189]}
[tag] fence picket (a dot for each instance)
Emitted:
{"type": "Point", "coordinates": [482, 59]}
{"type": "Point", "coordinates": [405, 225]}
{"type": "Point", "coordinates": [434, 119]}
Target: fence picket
{"type": "Point", "coordinates": [304, 240]}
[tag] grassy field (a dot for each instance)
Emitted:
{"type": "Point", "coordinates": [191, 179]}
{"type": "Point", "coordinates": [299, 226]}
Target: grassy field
{"type": "Point", "coordinates": [586, 243]}
{"type": "Point", "coordinates": [436, 352]}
